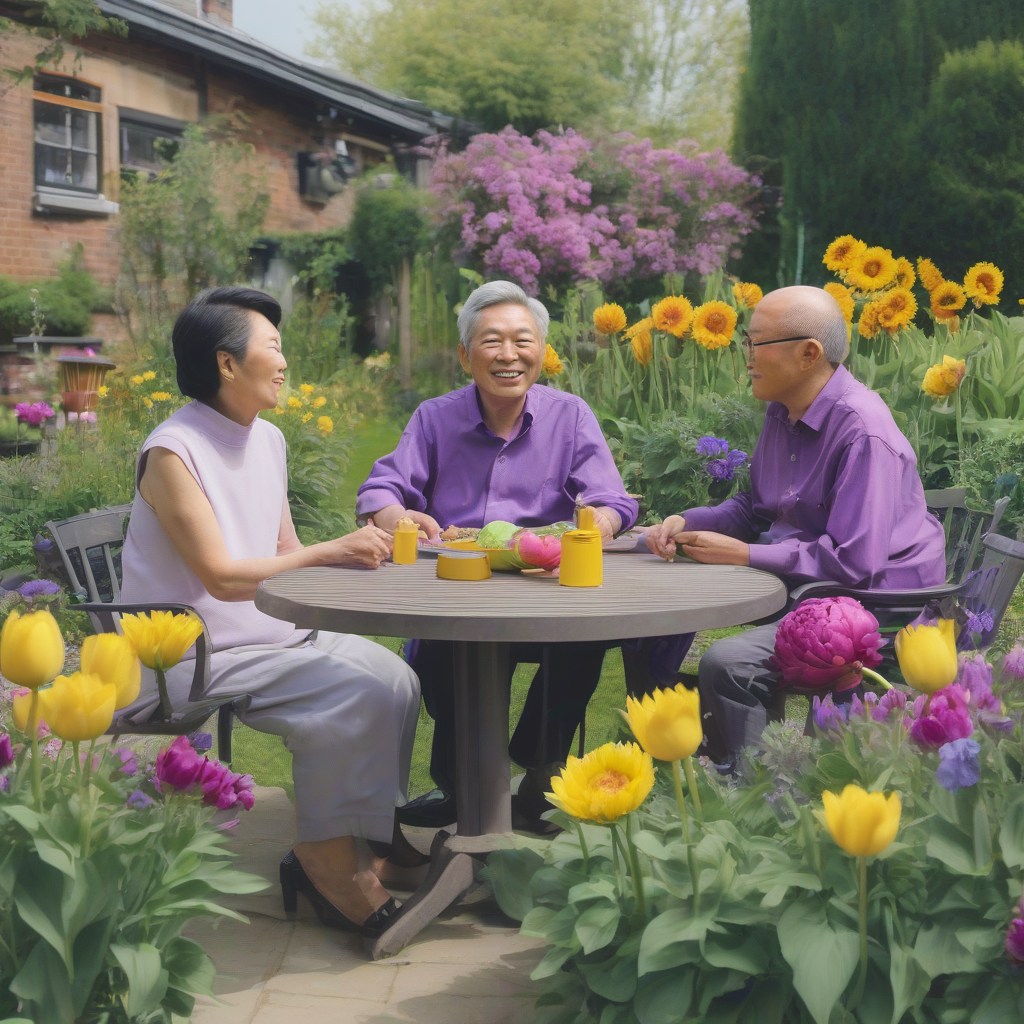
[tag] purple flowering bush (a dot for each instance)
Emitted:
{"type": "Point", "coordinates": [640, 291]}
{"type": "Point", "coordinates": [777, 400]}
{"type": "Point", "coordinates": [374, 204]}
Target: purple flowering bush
{"type": "Point", "coordinates": [132, 848]}
{"type": "Point", "coordinates": [557, 209]}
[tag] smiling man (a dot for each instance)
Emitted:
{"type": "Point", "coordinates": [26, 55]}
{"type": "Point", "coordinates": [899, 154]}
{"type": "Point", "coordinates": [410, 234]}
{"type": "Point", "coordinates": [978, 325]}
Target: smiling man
{"type": "Point", "coordinates": [501, 449]}
{"type": "Point", "coordinates": [834, 495]}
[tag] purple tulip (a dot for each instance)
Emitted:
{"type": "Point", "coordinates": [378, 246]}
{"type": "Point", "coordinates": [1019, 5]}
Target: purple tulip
{"type": "Point", "coordinates": [892, 700]}
{"type": "Point", "coordinates": [6, 751]}
{"type": "Point", "coordinates": [1013, 663]}
{"type": "Point", "coordinates": [712, 446]}
{"type": "Point", "coordinates": [129, 765]}
{"type": "Point", "coordinates": [829, 716]}
{"type": "Point", "coordinates": [958, 764]}
{"type": "Point", "coordinates": [1015, 939]}
{"type": "Point", "coordinates": [179, 766]}
{"type": "Point", "coordinates": [975, 676]}
{"type": "Point", "coordinates": [825, 642]}
{"type": "Point", "coordinates": [5, 783]}
{"type": "Point", "coordinates": [942, 717]}
{"type": "Point", "coordinates": [139, 800]}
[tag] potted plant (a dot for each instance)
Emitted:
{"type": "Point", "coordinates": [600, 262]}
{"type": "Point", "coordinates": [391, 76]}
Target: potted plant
{"type": "Point", "coordinates": [21, 430]}
{"type": "Point", "coordinates": [80, 379]}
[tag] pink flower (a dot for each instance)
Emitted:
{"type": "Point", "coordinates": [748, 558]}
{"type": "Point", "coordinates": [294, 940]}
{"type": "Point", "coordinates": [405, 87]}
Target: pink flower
{"type": "Point", "coordinates": [6, 751]}
{"type": "Point", "coordinates": [1015, 939]}
{"type": "Point", "coordinates": [1013, 663]}
{"type": "Point", "coordinates": [942, 717]}
{"type": "Point", "coordinates": [825, 642]}
{"type": "Point", "coordinates": [892, 701]}
{"type": "Point", "coordinates": [33, 413]}
{"type": "Point", "coordinates": [179, 766]}
{"type": "Point", "coordinates": [541, 552]}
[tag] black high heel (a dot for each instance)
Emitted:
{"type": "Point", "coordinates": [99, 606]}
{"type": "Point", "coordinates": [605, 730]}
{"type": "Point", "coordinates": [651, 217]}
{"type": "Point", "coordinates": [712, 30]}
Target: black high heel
{"type": "Point", "coordinates": [295, 880]}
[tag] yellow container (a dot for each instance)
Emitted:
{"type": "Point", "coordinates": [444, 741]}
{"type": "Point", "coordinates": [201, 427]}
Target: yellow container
{"type": "Point", "coordinates": [582, 558]}
{"type": "Point", "coordinates": [463, 565]}
{"type": "Point", "coordinates": [407, 542]}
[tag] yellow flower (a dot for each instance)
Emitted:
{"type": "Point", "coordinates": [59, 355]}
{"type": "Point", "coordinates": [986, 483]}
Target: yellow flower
{"type": "Point", "coordinates": [905, 276]}
{"type": "Point", "coordinates": [896, 309]}
{"type": "Point", "coordinates": [943, 378]}
{"type": "Point", "coordinates": [983, 283]}
{"type": "Point", "coordinates": [137, 379]}
{"type": "Point", "coordinates": [21, 709]}
{"type": "Point", "coordinates": [149, 375]}
{"type": "Point", "coordinates": [672, 315]}
{"type": "Point", "coordinates": [103, 391]}
{"type": "Point", "coordinates": [609, 318]}
{"type": "Point", "coordinates": [747, 294]}
{"type": "Point", "coordinates": [31, 648]}
{"type": "Point", "coordinates": [325, 424]}
{"type": "Point", "coordinates": [862, 823]}
{"type": "Point", "coordinates": [294, 403]}
{"type": "Point", "coordinates": [319, 403]}
{"type": "Point", "coordinates": [927, 655]}
{"type": "Point", "coordinates": [306, 417]}
{"type": "Point", "coordinates": [667, 723]}
{"type": "Point", "coordinates": [161, 396]}
{"type": "Point", "coordinates": [713, 324]}
{"type": "Point", "coordinates": [161, 639]}
{"type": "Point", "coordinates": [842, 252]}
{"type": "Point", "coordinates": [112, 657]}
{"type": "Point", "coordinates": [947, 298]}
{"type": "Point", "coordinates": [607, 783]}
{"type": "Point", "coordinates": [639, 337]}
{"type": "Point", "coordinates": [843, 297]}
{"type": "Point", "coordinates": [872, 269]}
{"type": "Point", "coordinates": [80, 706]}
{"type": "Point", "coordinates": [930, 275]}
{"type": "Point", "coordinates": [278, 411]}
{"type": "Point", "coordinates": [307, 389]}
{"type": "Point", "coordinates": [552, 365]}
{"type": "Point", "coordinates": [146, 402]}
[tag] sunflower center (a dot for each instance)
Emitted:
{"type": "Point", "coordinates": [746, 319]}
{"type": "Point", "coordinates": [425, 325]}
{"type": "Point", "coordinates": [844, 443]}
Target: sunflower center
{"type": "Point", "coordinates": [873, 268]}
{"type": "Point", "coordinates": [715, 323]}
{"type": "Point", "coordinates": [609, 781]}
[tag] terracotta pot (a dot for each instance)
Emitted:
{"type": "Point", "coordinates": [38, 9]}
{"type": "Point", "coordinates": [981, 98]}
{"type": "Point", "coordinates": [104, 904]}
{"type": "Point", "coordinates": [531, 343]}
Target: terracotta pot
{"type": "Point", "coordinates": [79, 401]}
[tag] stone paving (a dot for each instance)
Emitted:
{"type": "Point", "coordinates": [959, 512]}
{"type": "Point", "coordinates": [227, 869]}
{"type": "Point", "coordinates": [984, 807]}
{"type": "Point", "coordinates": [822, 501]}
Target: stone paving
{"type": "Point", "coordinates": [471, 965]}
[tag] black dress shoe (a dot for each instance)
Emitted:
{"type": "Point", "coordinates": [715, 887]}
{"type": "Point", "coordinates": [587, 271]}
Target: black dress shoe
{"type": "Point", "coordinates": [431, 810]}
{"type": "Point", "coordinates": [529, 802]}
{"type": "Point", "coordinates": [295, 880]}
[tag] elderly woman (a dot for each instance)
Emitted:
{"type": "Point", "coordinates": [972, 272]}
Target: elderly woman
{"type": "Point", "coordinates": [501, 448]}
{"type": "Point", "coordinates": [211, 520]}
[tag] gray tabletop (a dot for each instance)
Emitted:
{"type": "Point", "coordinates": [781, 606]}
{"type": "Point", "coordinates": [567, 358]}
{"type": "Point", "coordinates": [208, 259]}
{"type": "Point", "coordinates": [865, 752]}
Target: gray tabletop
{"type": "Point", "coordinates": [642, 595]}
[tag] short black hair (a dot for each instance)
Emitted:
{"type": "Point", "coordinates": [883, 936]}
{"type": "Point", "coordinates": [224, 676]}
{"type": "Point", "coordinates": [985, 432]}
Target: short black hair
{"type": "Point", "coordinates": [215, 321]}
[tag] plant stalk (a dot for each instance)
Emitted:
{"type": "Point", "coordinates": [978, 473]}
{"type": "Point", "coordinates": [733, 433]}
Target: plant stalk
{"type": "Point", "coordinates": [619, 876]}
{"type": "Point", "coordinates": [634, 866]}
{"type": "Point", "coordinates": [165, 700]}
{"type": "Point", "coordinates": [875, 677]}
{"type": "Point", "coordinates": [680, 800]}
{"type": "Point", "coordinates": [37, 776]}
{"type": "Point", "coordinates": [691, 782]}
{"type": "Point", "coordinates": [583, 847]}
{"type": "Point", "coordinates": [691, 861]}
{"type": "Point", "coordinates": [863, 902]}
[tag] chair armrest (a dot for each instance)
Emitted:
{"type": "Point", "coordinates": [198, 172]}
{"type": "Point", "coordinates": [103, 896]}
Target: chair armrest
{"type": "Point", "coordinates": [878, 598]}
{"type": "Point", "coordinates": [201, 675]}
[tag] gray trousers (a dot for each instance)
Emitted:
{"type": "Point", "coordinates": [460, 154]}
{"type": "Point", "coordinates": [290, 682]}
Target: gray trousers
{"type": "Point", "coordinates": [737, 685]}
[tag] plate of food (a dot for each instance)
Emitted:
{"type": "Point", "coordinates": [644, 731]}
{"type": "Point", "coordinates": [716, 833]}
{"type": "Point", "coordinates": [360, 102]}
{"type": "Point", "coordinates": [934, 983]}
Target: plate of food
{"type": "Point", "coordinates": [631, 540]}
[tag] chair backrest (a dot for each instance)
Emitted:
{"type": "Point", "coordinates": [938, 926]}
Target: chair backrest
{"type": "Point", "coordinates": [989, 589]}
{"type": "Point", "coordinates": [965, 529]}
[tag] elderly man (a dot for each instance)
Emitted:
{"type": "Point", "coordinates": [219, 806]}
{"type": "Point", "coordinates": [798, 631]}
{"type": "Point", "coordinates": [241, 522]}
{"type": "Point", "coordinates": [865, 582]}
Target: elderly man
{"type": "Point", "coordinates": [501, 449]}
{"type": "Point", "coordinates": [834, 495]}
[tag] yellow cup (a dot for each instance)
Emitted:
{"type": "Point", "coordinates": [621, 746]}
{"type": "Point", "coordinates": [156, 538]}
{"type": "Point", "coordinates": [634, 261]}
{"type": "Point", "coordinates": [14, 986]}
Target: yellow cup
{"type": "Point", "coordinates": [407, 542]}
{"type": "Point", "coordinates": [463, 565]}
{"type": "Point", "coordinates": [582, 559]}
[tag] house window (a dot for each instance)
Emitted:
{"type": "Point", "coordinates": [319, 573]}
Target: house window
{"type": "Point", "coordinates": [148, 141]}
{"type": "Point", "coordinates": [67, 137]}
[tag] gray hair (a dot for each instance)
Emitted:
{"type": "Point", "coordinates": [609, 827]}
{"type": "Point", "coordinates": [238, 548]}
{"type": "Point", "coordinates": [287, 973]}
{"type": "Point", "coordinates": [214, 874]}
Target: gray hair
{"type": "Point", "coordinates": [811, 313]}
{"type": "Point", "coordinates": [497, 293]}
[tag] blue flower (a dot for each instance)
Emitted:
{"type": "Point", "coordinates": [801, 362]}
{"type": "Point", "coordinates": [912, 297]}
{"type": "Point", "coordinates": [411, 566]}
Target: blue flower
{"type": "Point", "coordinates": [958, 765]}
{"type": "Point", "coordinates": [201, 742]}
{"type": "Point", "coordinates": [709, 446]}
{"type": "Point", "coordinates": [829, 716]}
{"type": "Point", "coordinates": [981, 622]}
{"type": "Point", "coordinates": [139, 800]}
{"type": "Point", "coordinates": [38, 588]}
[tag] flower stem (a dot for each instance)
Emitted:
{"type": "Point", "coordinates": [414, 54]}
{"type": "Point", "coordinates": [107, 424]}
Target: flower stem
{"type": "Point", "coordinates": [691, 782]}
{"type": "Point", "coordinates": [37, 778]}
{"type": "Point", "coordinates": [615, 858]}
{"type": "Point", "coordinates": [862, 977]}
{"type": "Point", "coordinates": [959, 439]}
{"type": "Point", "coordinates": [691, 861]}
{"type": "Point", "coordinates": [583, 847]}
{"type": "Point", "coordinates": [678, 782]}
{"type": "Point", "coordinates": [875, 677]}
{"type": "Point", "coordinates": [634, 866]}
{"type": "Point", "coordinates": [78, 763]}
{"type": "Point", "coordinates": [165, 700]}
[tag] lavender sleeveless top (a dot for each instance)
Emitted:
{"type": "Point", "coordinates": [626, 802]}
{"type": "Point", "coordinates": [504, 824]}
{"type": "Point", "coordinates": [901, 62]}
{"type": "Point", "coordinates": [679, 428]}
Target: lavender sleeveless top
{"type": "Point", "coordinates": [243, 473]}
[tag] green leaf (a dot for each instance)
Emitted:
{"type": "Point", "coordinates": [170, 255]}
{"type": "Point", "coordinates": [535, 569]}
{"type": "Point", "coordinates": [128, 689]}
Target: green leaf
{"type": "Point", "coordinates": [188, 967]}
{"type": "Point", "coordinates": [551, 963]}
{"type": "Point", "coordinates": [614, 979]}
{"type": "Point", "coordinates": [910, 982]}
{"type": "Point", "coordinates": [664, 998]}
{"type": "Point", "coordinates": [24, 816]}
{"type": "Point", "coordinates": [736, 953]}
{"type": "Point", "coordinates": [823, 957]}
{"type": "Point", "coordinates": [939, 951]}
{"type": "Point", "coordinates": [43, 984]}
{"type": "Point", "coordinates": [1011, 835]}
{"type": "Point", "coordinates": [596, 926]}
{"type": "Point", "coordinates": [957, 850]}
{"type": "Point", "coordinates": [55, 855]}
{"type": "Point", "coordinates": [596, 889]}
{"type": "Point", "coordinates": [147, 978]}
{"type": "Point", "coordinates": [671, 939]}
{"type": "Point", "coordinates": [1000, 1006]}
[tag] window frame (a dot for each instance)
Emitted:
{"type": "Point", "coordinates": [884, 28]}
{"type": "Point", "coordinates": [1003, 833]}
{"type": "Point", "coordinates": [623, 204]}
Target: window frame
{"type": "Point", "coordinates": [158, 123]}
{"type": "Point", "coordinates": [68, 103]}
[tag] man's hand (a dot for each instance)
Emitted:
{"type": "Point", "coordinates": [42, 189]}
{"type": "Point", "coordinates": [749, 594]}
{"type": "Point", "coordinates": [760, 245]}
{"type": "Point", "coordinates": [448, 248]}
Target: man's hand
{"type": "Point", "coordinates": [367, 547]}
{"type": "Point", "coordinates": [608, 522]}
{"type": "Point", "coordinates": [662, 539]}
{"type": "Point", "coordinates": [426, 523]}
{"type": "Point", "coordinates": [713, 548]}
{"type": "Point", "coordinates": [387, 519]}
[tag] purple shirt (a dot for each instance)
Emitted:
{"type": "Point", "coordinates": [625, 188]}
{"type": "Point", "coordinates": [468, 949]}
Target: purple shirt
{"type": "Point", "coordinates": [449, 465]}
{"type": "Point", "coordinates": [837, 495]}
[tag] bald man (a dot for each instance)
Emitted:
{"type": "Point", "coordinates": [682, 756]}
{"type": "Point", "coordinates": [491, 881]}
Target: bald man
{"type": "Point", "coordinates": [834, 495]}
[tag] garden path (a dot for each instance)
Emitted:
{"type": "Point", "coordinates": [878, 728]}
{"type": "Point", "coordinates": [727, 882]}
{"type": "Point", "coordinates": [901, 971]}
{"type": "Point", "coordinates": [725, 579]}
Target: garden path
{"type": "Point", "coordinates": [470, 966]}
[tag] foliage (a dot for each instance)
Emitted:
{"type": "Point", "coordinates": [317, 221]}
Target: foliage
{"type": "Point", "coordinates": [387, 227]}
{"type": "Point", "coordinates": [317, 336]}
{"type": "Point", "coordinates": [558, 209]}
{"type": "Point", "coordinates": [762, 923]}
{"type": "Point", "coordinates": [992, 467]}
{"type": "Point", "coordinates": [317, 256]}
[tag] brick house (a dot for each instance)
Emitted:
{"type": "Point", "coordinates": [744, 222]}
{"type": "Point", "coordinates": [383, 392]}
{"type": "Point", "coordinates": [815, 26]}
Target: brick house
{"type": "Point", "coordinates": [67, 136]}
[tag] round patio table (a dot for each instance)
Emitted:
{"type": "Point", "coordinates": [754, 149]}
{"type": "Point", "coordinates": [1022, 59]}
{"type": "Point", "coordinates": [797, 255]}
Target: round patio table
{"type": "Point", "coordinates": [642, 596]}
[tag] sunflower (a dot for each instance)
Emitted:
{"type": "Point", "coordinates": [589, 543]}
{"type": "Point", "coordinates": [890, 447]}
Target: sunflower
{"type": "Point", "coordinates": [867, 325]}
{"type": "Point", "coordinates": [905, 276]}
{"type": "Point", "coordinates": [552, 365]}
{"type": "Point", "coordinates": [842, 252]}
{"type": "Point", "coordinates": [843, 297]}
{"type": "Point", "coordinates": [948, 298]}
{"type": "Point", "coordinates": [609, 318]}
{"type": "Point", "coordinates": [607, 783]}
{"type": "Point", "coordinates": [930, 275]}
{"type": "Point", "coordinates": [871, 270]}
{"type": "Point", "coordinates": [639, 336]}
{"type": "Point", "coordinates": [942, 379]}
{"type": "Point", "coordinates": [896, 309]}
{"type": "Point", "coordinates": [983, 283]}
{"type": "Point", "coordinates": [713, 324]}
{"type": "Point", "coordinates": [747, 294]}
{"type": "Point", "coordinates": [672, 315]}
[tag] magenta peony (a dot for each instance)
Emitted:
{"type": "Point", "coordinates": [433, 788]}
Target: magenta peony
{"type": "Point", "coordinates": [825, 642]}
{"type": "Point", "coordinates": [181, 768]}
{"type": "Point", "coordinates": [1015, 939]}
{"type": "Point", "coordinates": [942, 717]}
{"type": "Point", "coordinates": [540, 552]}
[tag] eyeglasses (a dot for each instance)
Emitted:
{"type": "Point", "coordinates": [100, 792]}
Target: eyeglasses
{"type": "Point", "coordinates": [751, 345]}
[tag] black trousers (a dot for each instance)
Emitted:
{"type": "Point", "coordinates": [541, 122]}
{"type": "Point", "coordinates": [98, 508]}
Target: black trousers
{"type": "Point", "coordinates": [574, 670]}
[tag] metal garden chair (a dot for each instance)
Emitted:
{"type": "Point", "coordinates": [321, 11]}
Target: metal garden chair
{"type": "Point", "coordinates": [90, 550]}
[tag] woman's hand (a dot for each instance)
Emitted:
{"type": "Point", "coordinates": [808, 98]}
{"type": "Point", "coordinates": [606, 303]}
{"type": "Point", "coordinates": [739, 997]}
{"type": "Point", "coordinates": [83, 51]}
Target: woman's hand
{"type": "Point", "coordinates": [662, 539]}
{"type": "Point", "coordinates": [367, 547]}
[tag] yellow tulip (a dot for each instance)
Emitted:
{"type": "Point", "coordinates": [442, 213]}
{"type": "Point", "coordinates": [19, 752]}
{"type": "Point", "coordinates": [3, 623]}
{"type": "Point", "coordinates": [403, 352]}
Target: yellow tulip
{"type": "Point", "coordinates": [161, 639]}
{"type": "Point", "coordinates": [927, 655]}
{"type": "Point", "coordinates": [80, 707]}
{"type": "Point", "coordinates": [607, 783]}
{"type": "Point", "coordinates": [31, 648]}
{"type": "Point", "coordinates": [113, 659]}
{"type": "Point", "coordinates": [21, 708]}
{"type": "Point", "coordinates": [862, 823]}
{"type": "Point", "coordinates": [667, 723]}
